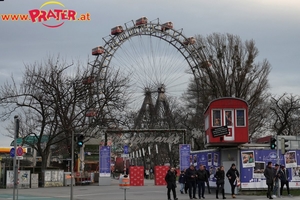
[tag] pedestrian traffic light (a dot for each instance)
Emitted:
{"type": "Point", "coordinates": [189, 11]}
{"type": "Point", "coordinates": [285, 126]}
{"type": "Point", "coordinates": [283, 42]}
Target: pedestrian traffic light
{"type": "Point", "coordinates": [272, 143]}
{"type": "Point", "coordinates": [283, 145]}
{"type": "Point", "coordinates": [80, 139]}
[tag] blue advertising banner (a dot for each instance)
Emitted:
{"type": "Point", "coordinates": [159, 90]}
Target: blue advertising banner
{"type": "Point", "coordinates": [254, 162]}
{"type": "Point", "coordinates": [104, 161]}
{"type": "Point", "coordinates": [210, 159]}
{"type": "Point", "coordinates": [184, 156]}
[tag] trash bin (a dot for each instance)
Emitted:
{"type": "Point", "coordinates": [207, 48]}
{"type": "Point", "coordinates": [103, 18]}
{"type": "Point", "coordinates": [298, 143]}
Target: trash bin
{"type": "Point", "coordinates": [67, 179]}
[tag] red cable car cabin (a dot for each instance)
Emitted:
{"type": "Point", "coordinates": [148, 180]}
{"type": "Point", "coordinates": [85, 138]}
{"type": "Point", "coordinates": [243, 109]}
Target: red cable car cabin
{"type": "Point", "coordinates": [226, 122]}
{"type": "Point", "coordinates": [97, 51]}
{"type": "Point", "coordinates": [141, 21]}
{"type": "Point", "coordinates": [189, 41]}
{"type": "Point", "coordinates": [117, 30]}
{"type": "Point", "coordinates": [166, 26]}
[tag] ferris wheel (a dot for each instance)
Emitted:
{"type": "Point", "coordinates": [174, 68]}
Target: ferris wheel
{"type": "Point", "coordinates": [158, 60]}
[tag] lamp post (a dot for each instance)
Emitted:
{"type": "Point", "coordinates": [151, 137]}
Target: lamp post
{"type": "Point", "coordinates": [15, 156]}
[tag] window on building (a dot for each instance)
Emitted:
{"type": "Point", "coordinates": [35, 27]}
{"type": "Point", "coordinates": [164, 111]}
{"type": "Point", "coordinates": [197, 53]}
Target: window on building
{"type": "Point", "coordinates": [240, 118]}
{"type": "Point", "coordinates": [228, 118]}
{"type": "Point", "coordinates": [216, 114]}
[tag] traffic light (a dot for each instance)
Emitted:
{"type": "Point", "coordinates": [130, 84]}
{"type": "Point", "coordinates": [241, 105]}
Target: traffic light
{"type": "Point", "coordinates": [283, 145]}
{"type": "Point", "coordinates": [80, 139]}
{"type": "Point", "coordinates": [273, 143]}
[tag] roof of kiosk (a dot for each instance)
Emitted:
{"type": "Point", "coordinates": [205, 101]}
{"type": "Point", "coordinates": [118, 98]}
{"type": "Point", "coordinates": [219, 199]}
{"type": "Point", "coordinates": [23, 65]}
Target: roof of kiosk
{"type": "Point", "coordinates": [223, 98]}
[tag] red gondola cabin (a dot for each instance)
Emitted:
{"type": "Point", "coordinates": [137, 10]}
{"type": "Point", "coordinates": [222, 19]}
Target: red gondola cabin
{"type": "Point", "coordinates": [189, 41]}
{"type": "Point", "coordinates": [97, 51]}
{"type": "Point", "coordinates": [91, 113]}
{"type": "Point", "coordinates": [88, 80]}
{"type": "Point", "coordinates": [226, 122]}
{"type": "Point", "coordinates": [166, 26]}
{"type": "Point", "coordinates": [117, 30]}
{"type": "Point", "coordinates": [141, 21]}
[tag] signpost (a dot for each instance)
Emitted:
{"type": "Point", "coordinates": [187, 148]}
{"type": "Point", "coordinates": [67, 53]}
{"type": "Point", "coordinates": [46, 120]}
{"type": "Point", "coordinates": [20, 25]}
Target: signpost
{"type": "Point", "coordinates": [20, 151]}
{"type": "Point", "coordinates": [12, 152]}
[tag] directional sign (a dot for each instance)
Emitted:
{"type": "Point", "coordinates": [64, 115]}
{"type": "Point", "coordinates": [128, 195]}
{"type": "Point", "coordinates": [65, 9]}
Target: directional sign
{"type": "Point", "coordinates": [125, 155]}
{"type": "Point", "coordinates": [12, 152]}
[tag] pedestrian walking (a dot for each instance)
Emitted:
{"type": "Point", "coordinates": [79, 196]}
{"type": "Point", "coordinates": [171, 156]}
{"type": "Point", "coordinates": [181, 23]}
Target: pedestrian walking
{"type": "Point", "coordinates": [170, 178]}
{"type": "Point", "coordinates": [276, 180]}
{"type": "Point", "coordinates": [191, 181]}
{"type": "Point", "coordinates": [269, 174]}
{"type": "Point", "coordinates": [181, 181]}
{"type": "Point", "coordinates": [207, 181]}
{"type": "Point", "coordinates": [220, 176]}
{"type": "Point", "coordinates": [201, 179]}
{"type": "Point", "coordinates": [232, 175]}
{"type": "Point", "coordinates": [284, 178]}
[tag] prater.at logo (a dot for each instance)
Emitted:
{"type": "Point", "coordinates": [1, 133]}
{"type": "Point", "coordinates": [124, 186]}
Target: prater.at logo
{"type": "Point", "coordinates": [58, 15]}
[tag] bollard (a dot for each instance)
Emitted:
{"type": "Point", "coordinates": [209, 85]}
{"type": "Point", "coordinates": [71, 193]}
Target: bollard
{"type": "Point", "coordinates": [124, 183]}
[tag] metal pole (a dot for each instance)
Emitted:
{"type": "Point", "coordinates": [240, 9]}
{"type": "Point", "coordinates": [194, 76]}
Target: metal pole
{"type": "Point", "coordinates": [18, 178]}
{"type": "Point", "coordinates": [277, 146]}
{"type": "Point", "coordinates": [15, 159]}
{"type": "Point", "coordinates": [278, 161]}
{"type": "Point", "coordinates": [125, 194]}
{"type": "Point", "coordinates": [72, 165]}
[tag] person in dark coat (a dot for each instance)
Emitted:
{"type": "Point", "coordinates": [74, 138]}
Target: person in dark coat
{"type": "Point", "coordinates": [190, 175]}
{"type": "Point", "coordinates": [170, 178]}
{"type": "Point", "coordinates": [181, 181]}
{"type": "Point", "coordinates": [284, 177]}
{"type": "Point", "coordinates": [207, 181]}
{"type": "Point", "coordinates": [201, 179]}
{"type": "Point", "coordinates": [232, 174]}
{"type": "Point", "coordinates": [269, 174]}
{"type": "Point", "coordinates": [220, 176]}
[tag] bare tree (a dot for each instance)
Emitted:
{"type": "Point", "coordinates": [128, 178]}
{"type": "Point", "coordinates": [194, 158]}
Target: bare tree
{"type": "Point", "coordinates": [53, 103]}
{"type": "Point", "coordinates": [285, 112]}
{"type": "Point", "coordinates": [228, 69]}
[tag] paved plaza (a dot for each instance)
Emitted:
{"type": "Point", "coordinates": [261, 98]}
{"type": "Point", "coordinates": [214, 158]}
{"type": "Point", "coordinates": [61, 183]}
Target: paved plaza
{"type": "Point", "coordinates": [113, 192]}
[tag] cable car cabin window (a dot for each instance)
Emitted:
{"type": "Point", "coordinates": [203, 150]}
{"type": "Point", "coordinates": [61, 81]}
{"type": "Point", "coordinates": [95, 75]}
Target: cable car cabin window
{"type": "Point", "coordinates": [228, 118]}
{"type": "Point", "coordinates": [206, 123]}
{"type": "Point", "coordinates": [240, 118]}
{"type": "Point", "coordinates": [216, 115]}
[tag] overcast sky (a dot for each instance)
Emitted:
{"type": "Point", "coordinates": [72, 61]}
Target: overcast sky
{"type": "Point", "coordinates": [272, 24]}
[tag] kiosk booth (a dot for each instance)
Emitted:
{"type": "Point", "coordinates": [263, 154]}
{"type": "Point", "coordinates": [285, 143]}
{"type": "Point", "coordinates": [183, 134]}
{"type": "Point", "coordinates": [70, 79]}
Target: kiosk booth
{"type": "Point", "coordinates": [226, 122]}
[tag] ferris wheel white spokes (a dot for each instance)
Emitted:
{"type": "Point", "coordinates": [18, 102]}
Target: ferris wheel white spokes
{"type": "Point", "coordinates": [158, 60]}
{"type": "Point", "coordinates": [150, 63]}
